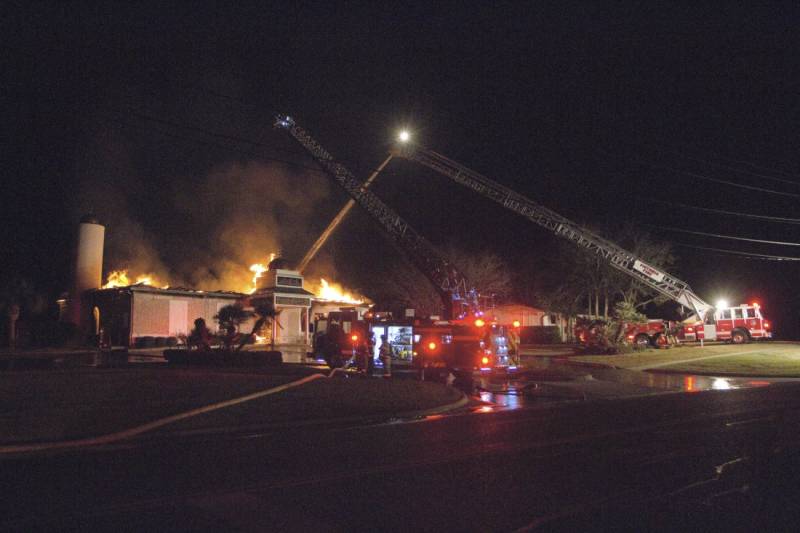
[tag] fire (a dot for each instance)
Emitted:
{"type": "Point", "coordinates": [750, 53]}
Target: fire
{"type": "Point", "coordinates": [336, 293]}
{"type": "Point", "coordinates": [258, 269]}
{"type": "Point", "coordinates": [121, 278]}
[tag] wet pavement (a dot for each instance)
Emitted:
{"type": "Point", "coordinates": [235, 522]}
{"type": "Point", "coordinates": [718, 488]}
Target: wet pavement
{"type": "Point", "coordinates": [551, 379]}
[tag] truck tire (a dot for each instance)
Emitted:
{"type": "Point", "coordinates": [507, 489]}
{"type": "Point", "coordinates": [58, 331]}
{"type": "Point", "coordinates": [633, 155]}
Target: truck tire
{"type": "Point", "coordinates": [642, 341]}
{"type": "Point", "coordinates": [739, 336]}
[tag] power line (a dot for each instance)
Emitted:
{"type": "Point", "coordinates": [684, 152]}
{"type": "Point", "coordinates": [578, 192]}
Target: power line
{"type": "Point", "coordinates": [746, 255]}
{"type": "Point", "coordinates": [726, 182]}
{"type": "Point", "coordinates": [731, 237]}
{"type": "Point", "coordinates": [707, 178]}
{"type": "Point", "coordinates": [677, 149]}
{"type": "Point", "coordinates": [784, 220]}
{"type": "Point", "coordinates": [663, 148]}
{"type": "Point", "coordinates": [250, 153]}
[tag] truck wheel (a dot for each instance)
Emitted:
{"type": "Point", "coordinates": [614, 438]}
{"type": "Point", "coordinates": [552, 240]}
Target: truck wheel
{"type": "Point", "coordinates": [739, 337]}
{"type": "Point", "coordinates": [642, 341]}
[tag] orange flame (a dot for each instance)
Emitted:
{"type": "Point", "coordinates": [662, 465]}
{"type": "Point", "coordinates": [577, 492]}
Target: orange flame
{"type": "Point", "coordinates": [335, 293]}
{"type": "Point", "coordinates": [258, 269]}
{"type": "Point", "coordinates": [120, 278]}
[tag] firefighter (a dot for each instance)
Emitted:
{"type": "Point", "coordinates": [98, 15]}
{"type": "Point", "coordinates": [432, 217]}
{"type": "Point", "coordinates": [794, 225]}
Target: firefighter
{"type": "Point", "coordinates": [513, 344]}
{"type": "Point", "coordinates": [370, 353]}
{"type": "Point", "coordinates": [200, 337]}
{"type": "Point", "coordinates": [386, 356]}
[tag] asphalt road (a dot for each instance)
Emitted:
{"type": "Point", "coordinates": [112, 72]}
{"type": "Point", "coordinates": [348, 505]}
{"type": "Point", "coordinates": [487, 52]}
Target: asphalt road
{"type": "Point", "coordinates": [717, 460]}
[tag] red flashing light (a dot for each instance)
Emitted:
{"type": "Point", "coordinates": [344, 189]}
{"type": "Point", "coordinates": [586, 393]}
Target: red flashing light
{"type": "Point", "coordinates": [766, 325]}
{"type": "Point", "coordinates": [516, 323]}
{"type": "Point", "coordinates": [354, 337]}
{"type": "Point", "coordinates": [755, 304]}
{"type": "Point", "coordinates": [484, 360]}
{"type": "Point", "coordinates": [431, 346]}
{"type": "Point", "coordinates": [479, 323]}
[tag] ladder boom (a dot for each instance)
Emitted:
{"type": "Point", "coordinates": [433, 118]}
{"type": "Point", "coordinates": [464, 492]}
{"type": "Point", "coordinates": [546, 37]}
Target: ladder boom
{"type": "Point", "coordinates": [619, 258]}
{"type": "Point", "coordinates": [449, 282]}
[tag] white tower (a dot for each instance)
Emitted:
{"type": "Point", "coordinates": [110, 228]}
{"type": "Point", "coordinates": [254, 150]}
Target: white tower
{"type": "Point", "coordinates": [88, 268]}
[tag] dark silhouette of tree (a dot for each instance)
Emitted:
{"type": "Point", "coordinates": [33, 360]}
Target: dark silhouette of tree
{"type": "Point", "coordinates": [266, 314]}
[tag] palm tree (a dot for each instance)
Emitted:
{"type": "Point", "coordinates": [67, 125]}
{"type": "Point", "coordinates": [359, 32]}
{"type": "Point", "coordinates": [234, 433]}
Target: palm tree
{"type": "Point", "coordinates": [265, 312]}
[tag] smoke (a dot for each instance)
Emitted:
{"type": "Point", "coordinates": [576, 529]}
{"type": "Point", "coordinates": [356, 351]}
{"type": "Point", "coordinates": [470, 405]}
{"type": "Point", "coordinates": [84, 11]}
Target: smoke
{"type": "Point", "coordinates": [106, 185]}
{"type": "Point", "coordinates": [201, 229]}
{"type": "Point", "coordinates": [243, 212]}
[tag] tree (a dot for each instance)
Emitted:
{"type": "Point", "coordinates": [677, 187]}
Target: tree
{"type": "Point", "coordinates": [404, 286]}
{"type": "Point", "coordinates": [266, 313]}
{"type": "Point", "coordinates": [231, 316]}
{"type": "Point", "coordinates": [229, 319]}
{"type": "Point", "coordinates": [575, 281]}
{"type": "Point", "coordinates": [485, 271]}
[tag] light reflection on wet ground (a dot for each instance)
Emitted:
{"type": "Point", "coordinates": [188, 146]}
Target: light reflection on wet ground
{"type": "Point", "coordinates": [551, 381]}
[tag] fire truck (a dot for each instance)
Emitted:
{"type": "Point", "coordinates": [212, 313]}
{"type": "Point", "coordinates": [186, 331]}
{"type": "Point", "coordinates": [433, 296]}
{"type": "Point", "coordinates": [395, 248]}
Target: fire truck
{"type": "Point", "coordinates": [592, 334]}
{"type": "Point", "coordinates": [338, 337]}
{"type": "Point", "coordinates": [737, 324]}
{"type": "Point", "coordinates": [447, 345]}
{"type": "Point", "coordinates": [461, 301]}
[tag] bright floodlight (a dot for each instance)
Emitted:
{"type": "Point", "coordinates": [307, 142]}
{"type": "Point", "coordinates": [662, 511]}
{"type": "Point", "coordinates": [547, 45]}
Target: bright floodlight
{"type": "Point", "coordinates": [404, 136]}
{"type": "Point", "coordinates": [722, 304]}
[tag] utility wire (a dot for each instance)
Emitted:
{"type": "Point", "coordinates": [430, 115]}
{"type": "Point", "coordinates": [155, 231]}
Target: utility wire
{"type": "Point", "coordinates": [678, 149]}
{"type": "Point", "coordinates": [731, 237]}
{"type": "Point", "coordinates": [707, 178]}
{"type": "Point", "coordinates": [784, 220]}
{"type": "Point", "coordinates": [681, 154]}
{"type": "Point", "coordinates": [250, 153]}
{"type": "Point", "coordinates": [726, 182]}
{"type": "Point", "coordinates": [747, 255]}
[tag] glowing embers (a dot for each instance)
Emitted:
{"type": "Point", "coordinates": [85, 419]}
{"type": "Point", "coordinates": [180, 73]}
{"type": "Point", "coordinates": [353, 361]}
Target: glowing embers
{"type": "Point", "coordinates": [121, 278]}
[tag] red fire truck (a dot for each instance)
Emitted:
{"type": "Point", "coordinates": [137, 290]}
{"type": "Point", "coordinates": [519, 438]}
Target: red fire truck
{"type": "Point", "coordinates": [460, 345]}
{"type": "Point", "coordinates": [738, 324]}
{"type": "Point", "coordinates": [655, 333]}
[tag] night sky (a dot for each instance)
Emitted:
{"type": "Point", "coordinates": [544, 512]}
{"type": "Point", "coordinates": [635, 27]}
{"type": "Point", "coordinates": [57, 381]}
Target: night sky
{"type": "Point", "coordinates": [160, 120]}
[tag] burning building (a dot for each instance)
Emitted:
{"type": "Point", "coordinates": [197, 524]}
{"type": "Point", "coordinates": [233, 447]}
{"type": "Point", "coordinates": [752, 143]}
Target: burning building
{"type": "Point", "coordinates": [144, 316]}
{"type": "Point", "coordinates": [141, 312]}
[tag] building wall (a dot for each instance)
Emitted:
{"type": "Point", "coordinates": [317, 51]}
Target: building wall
{"type": "Point", "coordinates": [171, 315]}
{"type": "Point", "coordinates": [528, 316]}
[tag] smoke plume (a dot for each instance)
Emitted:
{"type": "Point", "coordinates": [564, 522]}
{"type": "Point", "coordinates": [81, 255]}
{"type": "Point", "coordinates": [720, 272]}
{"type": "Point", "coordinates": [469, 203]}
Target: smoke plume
{"type": "Point", "coordinates": [200, 229]}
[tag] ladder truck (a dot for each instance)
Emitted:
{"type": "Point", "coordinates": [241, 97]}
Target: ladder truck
{"type": "Point", "coordinates": [457, 344]}
{"type": "Point", "coordinates": [738, 324]}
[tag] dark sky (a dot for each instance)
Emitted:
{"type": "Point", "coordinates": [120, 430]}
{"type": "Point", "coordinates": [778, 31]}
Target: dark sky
{"type": "Point", "coordinates": [160, 120]}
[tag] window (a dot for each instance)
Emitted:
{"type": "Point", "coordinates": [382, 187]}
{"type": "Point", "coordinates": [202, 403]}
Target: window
{"type": "Point", "coordinates": [725, 315]}
{"type": "Point", "coordinates": [750, 312]}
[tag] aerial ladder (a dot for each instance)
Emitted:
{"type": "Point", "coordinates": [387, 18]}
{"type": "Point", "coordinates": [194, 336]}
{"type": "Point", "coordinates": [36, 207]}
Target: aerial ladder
{"type": "Point", "coordinates": [458, 297]}
{"type": "Point", "coordinates": [619, 258]}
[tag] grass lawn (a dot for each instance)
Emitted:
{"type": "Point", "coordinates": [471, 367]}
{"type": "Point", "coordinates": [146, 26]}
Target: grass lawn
{"type": "Point", "coordinates": [329, 399]}
{"type": "Point", "coordinates": [78, 403]}
{"type": "Point", "coordinates": [753, 359]}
